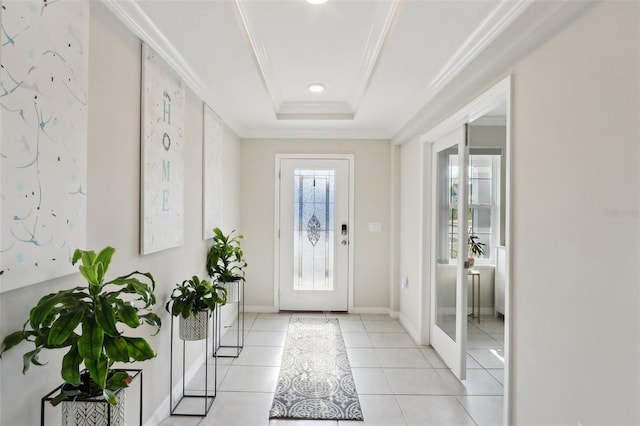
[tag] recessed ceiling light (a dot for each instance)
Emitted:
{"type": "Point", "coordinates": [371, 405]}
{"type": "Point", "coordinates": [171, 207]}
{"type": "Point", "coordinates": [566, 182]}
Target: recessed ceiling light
{"type": "Point", "coordinates": [316, 1]}
{"type": "Point", "coordinates": [316, 87]}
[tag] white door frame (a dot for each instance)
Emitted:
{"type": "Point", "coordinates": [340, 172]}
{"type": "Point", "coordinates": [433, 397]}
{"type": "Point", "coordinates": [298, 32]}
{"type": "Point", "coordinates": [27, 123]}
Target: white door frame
{"type": "Point", "coordinates": [498, 94]}
{"type": "Point", "coordinates": [276, 221]}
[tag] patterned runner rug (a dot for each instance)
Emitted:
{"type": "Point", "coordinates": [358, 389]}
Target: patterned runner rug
{"type": "Point", "coordinates": [315, 380]}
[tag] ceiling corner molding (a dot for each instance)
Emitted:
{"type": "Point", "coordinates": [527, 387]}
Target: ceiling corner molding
{"type": "Point", "coordinates": [259, 55]}
{"type": "Point", "coordinates": [495, 24]}
{"type": "Point", "coordinates": [315, 111]}
{"type": "Point", "coordinates": [374, 49]}
{"type": "Point", "coordinates": [490, 120]}
{"type": "Point", "coordinates": [134, 18]}
{"type": "Point", "coordinates": [316, 134]}
{"type": "Point", "coordinates": [498, 20]}
{"type": "Point", "coordinates": [512, 42]}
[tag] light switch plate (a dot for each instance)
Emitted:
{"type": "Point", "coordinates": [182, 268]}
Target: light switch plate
{"type": "Point", "coordinates": [375, 227]}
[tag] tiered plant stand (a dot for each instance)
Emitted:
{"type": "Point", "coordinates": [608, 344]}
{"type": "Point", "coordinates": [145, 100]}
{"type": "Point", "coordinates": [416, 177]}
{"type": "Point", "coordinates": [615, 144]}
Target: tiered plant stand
{"type": "Point", "coordinates": [177, 408]}
{"type": "Point", "coordinates": [234, 349]}
{"type": "Point", "coordinates": [90, 411]}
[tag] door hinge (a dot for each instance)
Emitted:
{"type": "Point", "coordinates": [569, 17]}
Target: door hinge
{"type": "Point", "coordinates": [466, 134]}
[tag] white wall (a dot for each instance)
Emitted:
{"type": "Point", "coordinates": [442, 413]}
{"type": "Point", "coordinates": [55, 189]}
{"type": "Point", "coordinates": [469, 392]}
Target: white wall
{"type": "Point", "coordinates": [113, 217]}
{"type": "Point", "coordinates": [411, 297]}
{"type": "Point", "coordinates": [575, 223]}
{"type": "Point", "coordinates": [576, 163]}
{"type": "Point", "coordinates": [372, 204]}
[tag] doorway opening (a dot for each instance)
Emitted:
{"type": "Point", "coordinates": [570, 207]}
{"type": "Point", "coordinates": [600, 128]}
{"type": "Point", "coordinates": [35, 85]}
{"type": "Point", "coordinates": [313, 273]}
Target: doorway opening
{"type": "Point", "coordinates": [467, 303]}
{"type": "Point", "coordinates": [314, 238]}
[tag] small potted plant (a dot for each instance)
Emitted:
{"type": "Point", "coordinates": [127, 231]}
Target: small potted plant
{"type": "Point", "coordinates": [476, 248]}
{"type": "Point", "coordinates": [225, 262]}
{"type": "Point", "coordinates": [87, 320]}
{"type": "Point", "coordinates": [194, 300]}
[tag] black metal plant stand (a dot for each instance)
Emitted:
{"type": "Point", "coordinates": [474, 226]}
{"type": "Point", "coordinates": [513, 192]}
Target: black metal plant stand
{"type": "Point", "coordinates": [233, 350]}
{"type": "Point", "coordinates": [135, 373]}
{"type": "Point", "coordinates": [206, 397]}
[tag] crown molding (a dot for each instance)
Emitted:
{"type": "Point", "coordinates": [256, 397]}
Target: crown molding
{"type": "Point", "coordinates": [375, 48]}
{"type": "Point", "coordinates": [135, 19]}
{"type": "Point", "coordinates": [501, 18]}
{"type": "Point", "coordinates": [259, 55]}
{"type": "Point", "coordinates": [328, 134]}
{"type": "Point", "coordinates": [520, 33]}
{"type": "Point", "coordinates": [490, 120]}
{"type": "Point", "coordinates": [315, 111]}
{"type": "Point", "coordinates": [287, 110]}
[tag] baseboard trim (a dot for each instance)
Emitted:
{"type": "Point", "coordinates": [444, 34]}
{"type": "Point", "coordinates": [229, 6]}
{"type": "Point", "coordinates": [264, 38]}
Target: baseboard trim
{"type": "Point", "coordinates": [229, 315]}
{"type": "Point", "coordinates": [413, 333]}
{"type": "Point", "coordinates": [355, 310]}
{"type": "Point", "coordinates": [260, 309]}
{"type": "Point", "coordinates": [164, 409]}
{"type": "Point", "coordinates": [371, 310]}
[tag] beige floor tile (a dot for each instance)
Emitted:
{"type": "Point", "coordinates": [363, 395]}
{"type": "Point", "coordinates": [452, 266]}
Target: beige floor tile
{"type": "Point", "coordinates": [391, 340]}
{"type": "Point", "coordinates": [362, 357]}
{"type": "Point", "coordinates": [239, 409]}
{"type": "Point", "coordinates": [378, 410]}
{"type": "Point", "coordinates": [371, 381]}
{"type": "Point", "coordinates": [356, 340]}
{"type": "Point", "coordinates": [243, 378]}
{"type": "Point", "coordinates": [402, 358]}
{"type": "Point", "coordinates": [433, 411]}
{"type": "Point", "coordinates": [485, 410]}
{"type": "Point", "coordinates": [416, 381]}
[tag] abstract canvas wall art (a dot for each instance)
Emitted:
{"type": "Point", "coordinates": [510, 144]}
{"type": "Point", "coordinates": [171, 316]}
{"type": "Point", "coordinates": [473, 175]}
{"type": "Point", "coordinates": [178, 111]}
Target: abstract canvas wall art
{"type": "Point", "coordinates": [163, 106]}
{"type": "Point", "coordinates": [212, 172]}
{"type": "Point", "coordinates": [43, 139]}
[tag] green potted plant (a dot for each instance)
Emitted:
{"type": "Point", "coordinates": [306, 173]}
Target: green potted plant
{"type": "Point", "coordinates": [86, 320]}
{"type": "Point", "coordinates": [194, 300]}
{"type": "Point", "coordinates": [476, 248]}
{"type": "Point", "coordinates": [225, 262]}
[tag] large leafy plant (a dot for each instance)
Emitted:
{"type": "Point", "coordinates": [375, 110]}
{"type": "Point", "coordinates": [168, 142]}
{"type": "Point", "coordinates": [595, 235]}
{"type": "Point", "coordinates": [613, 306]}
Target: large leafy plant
{"type": "Point", "coordinates": [88, 321]}
{"type": "Point", "coordinates": [195, 295]}
{"type": "Point", "coordinates": [225, 259]}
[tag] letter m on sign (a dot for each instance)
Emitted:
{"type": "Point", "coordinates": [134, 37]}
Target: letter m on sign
{"type": "Point", "coordinates": [166, 170]}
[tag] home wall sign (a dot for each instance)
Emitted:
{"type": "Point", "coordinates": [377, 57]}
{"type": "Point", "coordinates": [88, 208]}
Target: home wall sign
{"type": "Point", "coordinates": [163, 106]}
{"type": "Point", "coordinates": [212, 172]}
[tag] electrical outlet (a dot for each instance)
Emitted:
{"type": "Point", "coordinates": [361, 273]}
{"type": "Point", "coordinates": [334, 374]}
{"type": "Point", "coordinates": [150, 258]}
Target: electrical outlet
{"type": "Point", "coordinates": [404, 283]}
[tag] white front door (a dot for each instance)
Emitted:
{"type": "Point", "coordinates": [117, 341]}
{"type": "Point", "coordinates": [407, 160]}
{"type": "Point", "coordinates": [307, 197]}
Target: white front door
{"type": "Point", "coordinates": [314, 234]}
{"type": "Point", "coordinates": [449, 246]}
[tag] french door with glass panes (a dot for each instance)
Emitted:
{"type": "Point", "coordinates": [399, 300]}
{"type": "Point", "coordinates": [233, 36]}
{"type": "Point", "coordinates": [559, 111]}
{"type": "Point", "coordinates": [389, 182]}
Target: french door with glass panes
{"type": "Point", "coordinates": [448, 333]}
{"type": "Point", "coordinates": [314, 234]}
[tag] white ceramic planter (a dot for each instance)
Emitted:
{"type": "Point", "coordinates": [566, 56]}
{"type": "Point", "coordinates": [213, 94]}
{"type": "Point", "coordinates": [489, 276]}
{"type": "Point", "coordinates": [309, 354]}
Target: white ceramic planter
{"type": "Point", "coordinates": [194, 327]}
{"type": "Point", "coordinates": [233, 291]}
{"type": "Point", "coordinates": [96, 412]}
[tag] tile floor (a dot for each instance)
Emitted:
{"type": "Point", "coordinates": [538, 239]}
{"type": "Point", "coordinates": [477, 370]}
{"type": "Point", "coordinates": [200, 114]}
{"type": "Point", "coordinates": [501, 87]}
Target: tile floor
{"type": "Point", "coordinates": [399, 383]}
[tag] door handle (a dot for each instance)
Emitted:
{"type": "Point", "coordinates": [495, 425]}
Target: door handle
{"type": "Point", "coordinates": [343, 242]}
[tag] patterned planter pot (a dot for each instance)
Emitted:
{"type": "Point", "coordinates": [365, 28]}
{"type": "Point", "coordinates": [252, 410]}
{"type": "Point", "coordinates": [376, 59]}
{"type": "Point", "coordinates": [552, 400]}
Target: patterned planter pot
{"type": "Point", "coordinates": [194, 327]}
{"type": "Point", "coordinates": [94, 412]}
{"type": "Point", "coordinates": [233, 291]}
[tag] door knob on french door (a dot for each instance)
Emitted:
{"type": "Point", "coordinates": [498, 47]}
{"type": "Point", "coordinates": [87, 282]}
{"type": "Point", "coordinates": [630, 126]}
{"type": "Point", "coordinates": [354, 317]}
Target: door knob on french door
{"type": "Point", "coordinates": [344, 242]}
